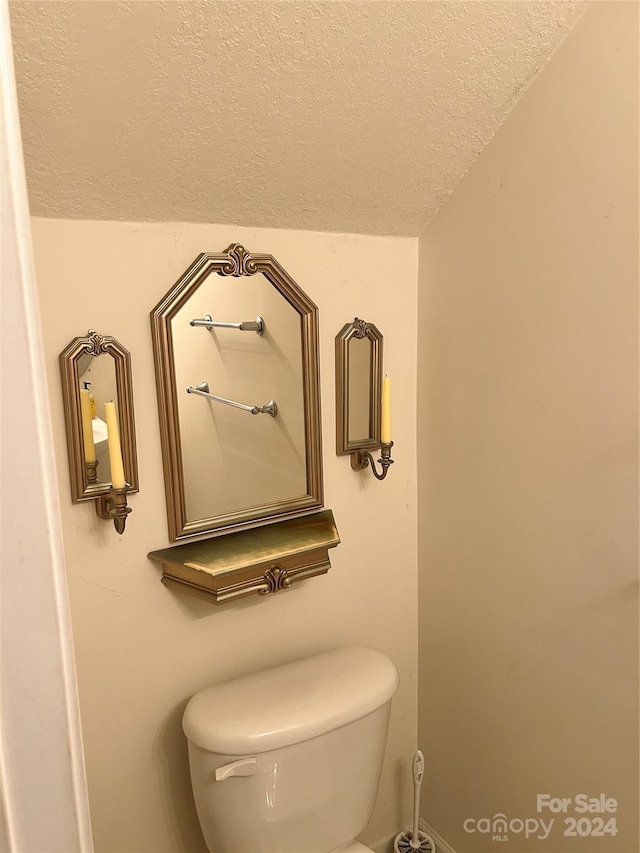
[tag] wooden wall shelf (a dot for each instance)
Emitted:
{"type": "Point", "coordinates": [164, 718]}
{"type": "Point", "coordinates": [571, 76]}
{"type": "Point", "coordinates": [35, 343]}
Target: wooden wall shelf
{"type": "Point", "coordinates": [264, 560]}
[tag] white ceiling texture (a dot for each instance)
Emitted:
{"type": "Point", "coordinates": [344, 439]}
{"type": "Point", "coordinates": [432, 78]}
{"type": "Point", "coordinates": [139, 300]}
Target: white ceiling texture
{"type": "Point", "coordinates": [343, 115]}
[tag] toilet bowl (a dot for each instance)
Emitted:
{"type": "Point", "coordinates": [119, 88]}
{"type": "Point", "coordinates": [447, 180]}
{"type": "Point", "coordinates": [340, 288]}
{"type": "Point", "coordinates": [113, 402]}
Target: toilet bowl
{"type": "Point", "coordinates": [288, 760]}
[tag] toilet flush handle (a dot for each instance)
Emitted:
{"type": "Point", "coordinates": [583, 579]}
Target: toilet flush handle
{"type": "Point", "coordinates": [242, 767]}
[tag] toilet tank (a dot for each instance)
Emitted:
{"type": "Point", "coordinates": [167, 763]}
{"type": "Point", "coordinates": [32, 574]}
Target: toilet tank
{"type": "Point", "coordinates": [297, 751]}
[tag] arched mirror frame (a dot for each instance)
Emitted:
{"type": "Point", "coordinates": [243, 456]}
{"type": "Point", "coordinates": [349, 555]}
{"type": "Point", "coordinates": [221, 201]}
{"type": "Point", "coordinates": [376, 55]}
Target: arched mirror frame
{"type": "Point", "coordinates": [358, 330]}
{"type": "Point", "coordinates": [96, 345]}
{"type": "Point", "coordinates": [234, 262]}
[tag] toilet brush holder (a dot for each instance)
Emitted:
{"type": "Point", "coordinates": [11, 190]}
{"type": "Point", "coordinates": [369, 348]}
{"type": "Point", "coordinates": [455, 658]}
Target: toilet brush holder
{"type": "Point", "coordinates": [415, 841]}
{"type": "Point", "coordinates": [403, 841]}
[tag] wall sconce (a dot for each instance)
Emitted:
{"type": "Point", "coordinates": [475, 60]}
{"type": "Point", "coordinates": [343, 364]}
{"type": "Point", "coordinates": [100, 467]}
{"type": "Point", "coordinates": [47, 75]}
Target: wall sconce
{"type": "Point", "coordinates": [102, 451]}
{"type": "Point", "coordinates": [363, 399]}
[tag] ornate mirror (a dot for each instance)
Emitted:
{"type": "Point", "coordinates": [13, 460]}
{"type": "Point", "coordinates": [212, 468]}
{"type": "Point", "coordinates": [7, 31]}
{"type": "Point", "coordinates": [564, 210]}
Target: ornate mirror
{"type": "Point", "coordinates": [96, 370]}
{"type": "Point", "coordinates": [358, 387]}
{"type": "Point", "coordinates": [236, 356]}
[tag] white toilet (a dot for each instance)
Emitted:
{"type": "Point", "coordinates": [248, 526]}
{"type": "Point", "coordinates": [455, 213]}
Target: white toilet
{"type": "Point", "coordinates": [288, 760]}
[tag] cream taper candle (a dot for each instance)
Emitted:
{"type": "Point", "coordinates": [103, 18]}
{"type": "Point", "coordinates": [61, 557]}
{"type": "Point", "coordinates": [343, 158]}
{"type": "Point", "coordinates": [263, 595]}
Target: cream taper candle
{"type": "Point", "coordinates": [87, 428]}
{"type": "Point", "coordinates": [115, 450]}
{"type": "Point", "coordinates": [385, 430]}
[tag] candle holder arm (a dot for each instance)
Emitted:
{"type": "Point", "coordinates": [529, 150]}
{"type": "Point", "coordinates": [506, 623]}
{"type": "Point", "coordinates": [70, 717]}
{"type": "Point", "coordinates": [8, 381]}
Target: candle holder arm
{"type": "Point", "coordinates": [113, 505]}
{"type": "Point", "coordinates": [362, 459]}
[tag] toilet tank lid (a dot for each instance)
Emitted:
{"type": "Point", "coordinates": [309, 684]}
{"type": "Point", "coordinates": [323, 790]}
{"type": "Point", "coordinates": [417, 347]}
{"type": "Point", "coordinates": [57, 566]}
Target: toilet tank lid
{"type": "Point", "coordinates": [290, 703]}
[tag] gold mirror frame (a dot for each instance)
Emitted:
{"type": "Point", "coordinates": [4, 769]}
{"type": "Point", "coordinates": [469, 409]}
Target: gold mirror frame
{"type": "Point", "coordinates": [235, 262]}
{"type": "Point", "coordinates": [359, 329]}
{"type": "Point", "coordinates": [96, 345]}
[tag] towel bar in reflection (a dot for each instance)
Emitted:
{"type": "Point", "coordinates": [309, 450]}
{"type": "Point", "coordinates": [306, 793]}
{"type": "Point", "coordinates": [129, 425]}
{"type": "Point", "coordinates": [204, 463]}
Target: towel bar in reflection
{"type": "Point", "coordinates": [202, 390]}
{"type": "Point", "coordinates": [256, 325]}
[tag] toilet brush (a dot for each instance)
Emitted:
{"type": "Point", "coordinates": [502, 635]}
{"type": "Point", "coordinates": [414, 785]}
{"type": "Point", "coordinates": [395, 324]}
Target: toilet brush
{"type": "Point", "coordinates": [410, 842]}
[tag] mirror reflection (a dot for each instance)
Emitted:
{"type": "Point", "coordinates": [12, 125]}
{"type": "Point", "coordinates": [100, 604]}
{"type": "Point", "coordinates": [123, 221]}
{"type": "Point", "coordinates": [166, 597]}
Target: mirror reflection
{"type": "Point", "coordinates": [232, 459]}
{"type": "Point", "coordinates": [98, 380]}
{"type": "Point", "coordinates": [360, 355]}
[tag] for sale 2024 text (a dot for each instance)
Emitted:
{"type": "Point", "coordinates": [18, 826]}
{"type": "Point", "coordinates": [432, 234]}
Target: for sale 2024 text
{"type": "Point", "coordinates": [583, 815]}
{"type": "Point", "coordinates": [582, 804]}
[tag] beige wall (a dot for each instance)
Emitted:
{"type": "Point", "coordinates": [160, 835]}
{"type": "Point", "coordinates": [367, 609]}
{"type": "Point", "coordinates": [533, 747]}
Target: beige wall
{"type": "Point", "coordinates": [528, 468]}
{"type": "Point", "coordinates": [142, 650]}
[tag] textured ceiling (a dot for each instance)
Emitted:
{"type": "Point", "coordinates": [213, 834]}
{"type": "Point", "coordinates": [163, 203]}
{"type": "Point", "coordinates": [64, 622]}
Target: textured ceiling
{"type": "Point", "coordinates": [334, 116]}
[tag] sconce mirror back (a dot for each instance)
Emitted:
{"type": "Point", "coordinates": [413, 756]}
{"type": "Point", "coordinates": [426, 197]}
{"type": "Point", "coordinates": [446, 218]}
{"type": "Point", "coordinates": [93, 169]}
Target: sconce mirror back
{"type": "Point", "coordinates": [99, 367]}
{"type": "Point", "coordinates": [236, 355]}
{"type": "Point", "coordinates": [358, 387]}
